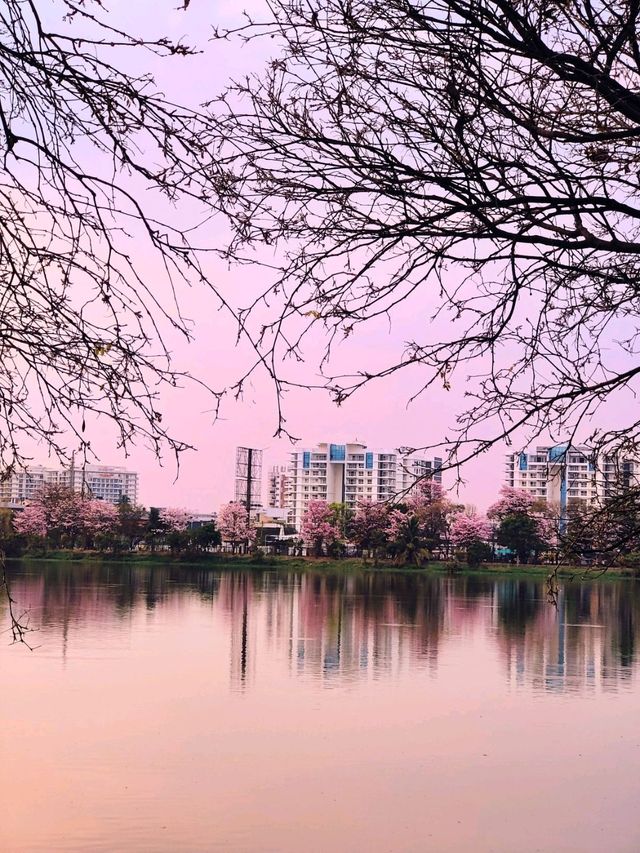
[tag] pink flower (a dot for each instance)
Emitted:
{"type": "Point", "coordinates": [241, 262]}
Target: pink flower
{"type": "Point", "coordinates": [175, 518]}
{"type": "Point", "coordinates": [318, 525]}
{"type": "Point", "coordinates": [234, 525]}
{"type": "Point", "coordinates": [467, 529]}
{"type": "Point", "coordinates": [512, 502]}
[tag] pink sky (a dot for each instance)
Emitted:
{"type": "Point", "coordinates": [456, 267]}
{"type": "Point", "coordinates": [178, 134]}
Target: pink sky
{"type": "Point", "coordinates": [378, 415]}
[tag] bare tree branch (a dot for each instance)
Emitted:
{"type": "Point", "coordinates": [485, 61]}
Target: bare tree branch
{"type": "Point", "coordinates": [481, 156]}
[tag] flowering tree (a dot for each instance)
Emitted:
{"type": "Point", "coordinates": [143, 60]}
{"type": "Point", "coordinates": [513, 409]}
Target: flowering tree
{"type": "Point", "coordinates": [521, 525]}
{"type": "Point", "coordinates": [64, 516]}
{"type": "Point", "coordinates": [512, 502]}
{"type": "Point", "coordinates": [99, 516]}
{"type": "Point", "coordinates": [98, 519]}
{"type": "Point", "coordinates": [319, 528]}
{"type": "Point", "coordinates": [31, 521]}
{"type": "Point", "coordinates": [174, 518]}
{"type": "Point", "coordinates": [235, 527]}
{"type": "Point", "coordinates": [421, 525]}
{"type": "Point", "coordinates": [470, 528]}
{"type": "Point", "coordinates": [172, 523]}
{"type": "Point", "coordinates": [471, 533]}
{"type": "Point", "coordinates": [368, 528]}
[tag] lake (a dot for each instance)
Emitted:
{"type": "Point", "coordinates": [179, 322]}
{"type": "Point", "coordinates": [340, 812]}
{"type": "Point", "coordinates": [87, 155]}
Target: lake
{"type": "Point", "coordinates": [167, 709]}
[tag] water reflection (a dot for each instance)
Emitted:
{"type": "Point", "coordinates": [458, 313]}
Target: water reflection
{"type": "Point", "coordinates": [339, 629]}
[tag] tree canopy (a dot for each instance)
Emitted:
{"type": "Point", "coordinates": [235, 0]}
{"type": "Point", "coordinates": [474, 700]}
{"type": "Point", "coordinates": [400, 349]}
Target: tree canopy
{"type": "Point", "coordinates": [90, 156]}
{"type": "Point", "coordinates": [481, 155]}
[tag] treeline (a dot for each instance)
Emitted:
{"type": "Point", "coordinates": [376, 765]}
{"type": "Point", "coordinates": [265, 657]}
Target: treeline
{"type": "Point", "coordinates": [516, 528]}
{"type": "Point", "coordinates": [61, 518]}
{"type": "Point", "coordinates": [426, 525]}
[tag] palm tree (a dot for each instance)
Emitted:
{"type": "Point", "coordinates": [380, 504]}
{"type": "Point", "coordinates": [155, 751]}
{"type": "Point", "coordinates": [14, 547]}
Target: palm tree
{"type": "Point", "coordinates": [411, 544]}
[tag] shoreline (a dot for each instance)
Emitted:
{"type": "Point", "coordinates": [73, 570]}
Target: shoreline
{"type": "Point", "coordinates": [350, 565]}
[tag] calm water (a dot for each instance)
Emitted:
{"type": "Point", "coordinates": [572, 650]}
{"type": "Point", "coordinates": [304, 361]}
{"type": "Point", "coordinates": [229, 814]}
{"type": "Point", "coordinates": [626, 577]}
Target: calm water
{"type": "Point", "coordinates": [168, 710]}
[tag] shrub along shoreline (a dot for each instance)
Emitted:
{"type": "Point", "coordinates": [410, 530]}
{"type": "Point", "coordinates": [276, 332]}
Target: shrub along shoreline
{"type": "Point", "coordinates": [225, 562]}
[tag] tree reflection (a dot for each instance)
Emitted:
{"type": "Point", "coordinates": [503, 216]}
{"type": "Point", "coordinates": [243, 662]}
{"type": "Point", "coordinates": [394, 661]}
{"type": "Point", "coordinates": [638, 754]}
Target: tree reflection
{"type": "Point", "coordinates": [342, 627]}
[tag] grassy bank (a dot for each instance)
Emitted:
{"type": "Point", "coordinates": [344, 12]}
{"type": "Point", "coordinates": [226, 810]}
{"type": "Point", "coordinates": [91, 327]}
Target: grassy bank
{"type": "Point", "coordinates": [222, 562]}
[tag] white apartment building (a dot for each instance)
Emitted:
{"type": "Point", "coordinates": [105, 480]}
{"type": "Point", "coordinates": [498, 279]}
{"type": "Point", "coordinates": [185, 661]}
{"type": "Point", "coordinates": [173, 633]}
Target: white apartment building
{"type": "Point", "coordinates": [277, 480]}
{"type": "Point", "coordinates": [102, 482]}
{"type": "Point", "coordinates": [22, 486]}
{"type": "Point", "coordinates": [348, 473]}
{"type": "Point", "coordinates": [564, 474]}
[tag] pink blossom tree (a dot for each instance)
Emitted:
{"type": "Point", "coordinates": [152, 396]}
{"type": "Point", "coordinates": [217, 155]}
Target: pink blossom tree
{"type": "Point", "coordinates": [99, 516]}
{"type": "Point", "coordinates": [174, 518]}
{"type": "Point", "coordinates": [99, 520]}
{"type": "Point", "coordinates": [472, 534]}
{"type": "Point", "coordinates": [174, 522]}
{"type": "Point", "coordinates": [319, 528]}
{"type": "Point", "coordinates": [63, 514]}
{"type": "Point", "coordinates": [234, 525]}
{"type": "Point", "coordinates": [511, 502]}
{"type": "Point", "coordinates": [368, 527]}
{"type": "Point", "coordinates": [522, 523]}
{"type": "Point", "coordinates": [64, 517]}
{"type": "Point", "coordinates": [470, 528]}
{"type": "Point", "coordinates": [421, 524]}
{"type": "Point", "coordinates": [31, 522]}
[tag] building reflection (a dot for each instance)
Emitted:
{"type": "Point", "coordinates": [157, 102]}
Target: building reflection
{"type": "Point", "coordinates": [344, 628]}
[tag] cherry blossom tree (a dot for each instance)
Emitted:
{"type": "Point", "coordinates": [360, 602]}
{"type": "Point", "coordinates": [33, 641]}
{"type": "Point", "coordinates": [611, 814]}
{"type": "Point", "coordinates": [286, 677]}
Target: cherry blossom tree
{"type": "Point", "coordinates": [235, 527]}
{"type": "Point", "coordinates": [63, 514]}
{"type": "Point", "coordinates": [471, 534]}
{"type": "Point", "coordinates": [368, 528]}
{"type": "Point", "coordinates": [420, 526]}
{"type": "Point", "coordinates": [99, 516]}
{"type": "Point", "coordinates": [31, 521]}
{"type": "Point", "coordinates": [64, 517]}
{"type": "Point", "coordinates": [522, 525]}
{"type": "Point", "coordinates": [99, 519]}
{"type": "Point", "coordinates": [511, 502]}
{"type": "Point", "coordinates": [319, 529]}
{"type": "Point", "coordinates": [174, 518]}
{"type": "Point", "coordinates": [173, 522]}
{"type": "Point", "coordinates": [470, 528]}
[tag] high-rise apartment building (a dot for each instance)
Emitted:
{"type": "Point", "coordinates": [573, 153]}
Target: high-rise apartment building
{"type": "Point", "coordinates": [23, 486]}
{"type": "Point", "coordinates": [277, 481]}
{"type": "Point", "coordinates": [348, 473]}
{"type": "Point", "coordinates": [564, 474]}
{"type": "Point", "coordinates": [102, 482]}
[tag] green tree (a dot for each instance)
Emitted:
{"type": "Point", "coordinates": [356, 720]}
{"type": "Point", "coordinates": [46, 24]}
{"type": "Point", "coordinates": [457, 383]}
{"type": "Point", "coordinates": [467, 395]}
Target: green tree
{"type": "Point", "coordinates": [411, 542]}
{"type": "Point", "coordinates": [520, 533]}
{"type": "Point", "coordinates": [155, 528]}
{"type": "Point", "coordinates": [205, 537]}
{"type": "Point", "coordinates": [132, 523]}
{"type": "Point", "coordinates": [342, 517]}
{"type": "Point", "coordinates": [522, 524]}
